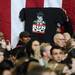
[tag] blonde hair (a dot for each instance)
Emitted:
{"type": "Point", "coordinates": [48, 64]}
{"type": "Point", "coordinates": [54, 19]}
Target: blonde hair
{"type": "Point", "coordinates": [56, 36]}
{"type": "Point", "coordinates": [43, 45]}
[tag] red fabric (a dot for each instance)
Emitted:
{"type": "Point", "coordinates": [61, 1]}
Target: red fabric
{"type": "Point", "coordinates": [5, 18]}
{"type": "Point", "coordinates": [69, 5]}
{"type": "Point", "coordinates": [34, 3]}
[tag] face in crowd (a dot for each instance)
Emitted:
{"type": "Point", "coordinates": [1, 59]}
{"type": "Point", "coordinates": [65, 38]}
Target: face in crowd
{"type": "Point", "coordinates": [47, 51]}
{"type": "Point", "coordinates": [45, 48]}
{"type": "Point", "coordinates": [59, 40]}
{"type": "Point", "coordinates": [36, 45]}
{"type": "Point", "coordinates": [57, 55]}
{"type": "Point", "coordinates": [1, 56]}
{"type": "Point", "coordinates": [24, 37]}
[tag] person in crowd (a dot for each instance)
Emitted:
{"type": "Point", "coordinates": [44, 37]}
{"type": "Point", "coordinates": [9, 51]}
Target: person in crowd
{"type": "Point", "coordinates": [35, 47]}
{"type": "Point", "coordinates": [4, 63]}
{"type": "Point", "coordinates": [5, 45]}
{"type": "Point", "coordinates": [70, 44]}
{"type": "Point", "coordinates": [67, 36]}
{"type": "Point", "coordinates": [21, 50]}
{"type": "Point", "coordinates": [1, 56]}
{"type": "Point", "coordinates": [68, 39]}
{"type": "Point", "coordinates": [21, 54]}
{"type": "Point", "coordinates": [58, 55]}
{"type": "Point", "coordinates": [45, 54]}
{"type": "Point", "coordinates": [59, 40]}
{"type": "Point", "coordinates": [70, 60]}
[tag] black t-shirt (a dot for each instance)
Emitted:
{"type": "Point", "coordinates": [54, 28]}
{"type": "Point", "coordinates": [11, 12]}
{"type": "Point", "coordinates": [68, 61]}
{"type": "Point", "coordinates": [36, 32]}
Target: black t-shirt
{"type": "Point", "coordinates": [42, 23]}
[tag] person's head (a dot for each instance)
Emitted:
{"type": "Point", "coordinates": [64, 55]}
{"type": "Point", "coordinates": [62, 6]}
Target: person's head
{"type": "Point", "coordinates": [59, 40]}
{"type": "Point", "coordinates": [35, 45]}
{"type": "Point", "coordinates": [1, 56]}
{"type": "Point", "coordinates": [45, 49]}
{"type": "Point", "coordinates": [39, 70]}
{"type": "Point", "coordinates": [7, 64]}
{"type": "Point", "coordinates": [24, 37]}
{"type": "Point", "coordinates": [57, 53]}
{"type": "Point", "coordinates": [67, 36]}
{"type": "Point", "coordinates": [35, 48]}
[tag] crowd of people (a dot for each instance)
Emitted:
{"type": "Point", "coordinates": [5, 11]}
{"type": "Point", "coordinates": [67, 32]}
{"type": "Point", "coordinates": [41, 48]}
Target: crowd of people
{"type": "Point", "coordinates": [32, 57]}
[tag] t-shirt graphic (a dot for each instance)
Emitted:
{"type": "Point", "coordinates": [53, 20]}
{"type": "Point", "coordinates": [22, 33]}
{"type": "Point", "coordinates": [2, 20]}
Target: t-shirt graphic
{"type": "Point", "coordinates": [44, 23]}
{"type": "Point", "coordinates": [39, 25]}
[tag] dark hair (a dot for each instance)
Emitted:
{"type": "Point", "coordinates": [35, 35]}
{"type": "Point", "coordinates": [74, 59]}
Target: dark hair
{"type": "Point", "coordinates": [24, 34]}
{"type": "Point", "coordinates": [7, 64]}
{"type": "Point", "coordinates": [30, 45]}
{"type": "Point", "coordinates": [56, 47]}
